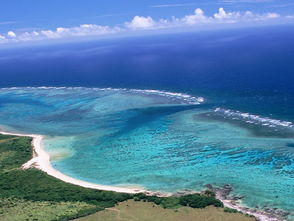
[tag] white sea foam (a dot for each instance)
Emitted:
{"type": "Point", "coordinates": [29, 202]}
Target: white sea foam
{"type": "Point", "coordinates": [254, 119]}
{"type": "Point", "coordinates": [182, 97]}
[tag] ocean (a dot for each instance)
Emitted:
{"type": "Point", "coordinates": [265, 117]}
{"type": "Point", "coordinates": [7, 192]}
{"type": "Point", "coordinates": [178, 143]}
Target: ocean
{"type": "Point", "coordinates": [167, 113]}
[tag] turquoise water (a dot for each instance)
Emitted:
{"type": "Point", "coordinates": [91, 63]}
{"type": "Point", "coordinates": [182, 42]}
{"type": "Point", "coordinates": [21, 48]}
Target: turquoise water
{"type": "Point", "coordinates": [158, 140]}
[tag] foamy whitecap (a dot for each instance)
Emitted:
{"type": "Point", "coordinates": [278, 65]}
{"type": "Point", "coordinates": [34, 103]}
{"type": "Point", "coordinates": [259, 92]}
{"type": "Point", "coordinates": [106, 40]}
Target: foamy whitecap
{"type": "Point", "coordinates": [184, 98]}
{"type": "Point", "coordinates": [254, 119]}
{"type": "Point", "coordinates": [181, 96]}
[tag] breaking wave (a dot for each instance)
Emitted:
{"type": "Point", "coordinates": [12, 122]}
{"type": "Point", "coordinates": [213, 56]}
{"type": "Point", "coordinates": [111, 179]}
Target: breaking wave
{"type": "Point", "coordinates": [182, 97]}
{"type": "Point", "coordinates": [253, 119]}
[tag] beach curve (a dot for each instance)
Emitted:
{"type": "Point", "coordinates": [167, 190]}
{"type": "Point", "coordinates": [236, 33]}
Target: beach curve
{"type": "Point", "coordinates": [41, 161]}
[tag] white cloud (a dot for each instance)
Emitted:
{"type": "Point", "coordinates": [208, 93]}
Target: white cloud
{"type": "Point", "coordinates": [222, 15]}
{"type": "Point", "coordinates": [61, 32]}
{"type": "Point", "coordinates": [2, 39]}
{"type": "Point", "coordinates": [11, 34]}
{"type": "Point", "coordinates": [272, 15]}
{"type": "Point", "coordinates": [82, 30]}
{"type": "Point", "coordinates": [142, 23]}
{"type": "Point", "coordinates": [197, 17]}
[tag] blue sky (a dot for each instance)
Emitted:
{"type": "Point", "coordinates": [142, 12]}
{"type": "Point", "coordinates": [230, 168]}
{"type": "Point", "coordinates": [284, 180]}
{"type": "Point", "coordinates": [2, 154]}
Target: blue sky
{"type": "Point", "coordinates": [30, 16]}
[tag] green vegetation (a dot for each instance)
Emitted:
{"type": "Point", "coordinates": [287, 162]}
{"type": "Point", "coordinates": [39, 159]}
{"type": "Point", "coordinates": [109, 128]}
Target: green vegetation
{"type": "Point", "coordinates": [14, 152]}
{"type": "Point", "coordinates": [17, 209]}
{"type": "Point", "coordinates": [34, 195]}
{"type": "Point", "coordinates": [42, 193]}
{"type": "Point", "coordinates": [209, 193]}
{"type": "Point", "coordinates": [191, 200]}
{"type": "Point", "coordinates": [229, 210]}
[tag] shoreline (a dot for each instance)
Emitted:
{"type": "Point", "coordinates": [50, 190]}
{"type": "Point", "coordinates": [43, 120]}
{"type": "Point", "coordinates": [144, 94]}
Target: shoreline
{"type": "Point", "coordinates": [41, 161]}
{"type": "Point", "coordinates": [234, 203]}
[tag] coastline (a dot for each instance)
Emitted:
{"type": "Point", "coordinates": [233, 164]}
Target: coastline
{"type": "Point", "coordinates": [41, 160]}
{"type": "Point", "coordinates": [233, 202]}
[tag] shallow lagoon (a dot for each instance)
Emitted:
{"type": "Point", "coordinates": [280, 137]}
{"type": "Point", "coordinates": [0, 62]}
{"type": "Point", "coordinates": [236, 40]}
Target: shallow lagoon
{"type": "Point", "coordinates": [157, 140]}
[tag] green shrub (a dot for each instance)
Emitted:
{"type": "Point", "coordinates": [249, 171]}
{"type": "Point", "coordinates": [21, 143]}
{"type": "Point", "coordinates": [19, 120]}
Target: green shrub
{"type": "Point", "coordinates": [192, 200]}
{"type": "Point", "coordinates": [229, 210]}
{"type": "Point", "coordinates": [170, 202]}
{"type": "Point", "coordinates": [199, 201]}
{"type": "Point", "coordinates": [209, 193]}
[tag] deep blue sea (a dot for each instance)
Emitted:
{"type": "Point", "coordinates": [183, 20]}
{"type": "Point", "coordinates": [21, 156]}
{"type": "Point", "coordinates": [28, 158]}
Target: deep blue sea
{"type": "Point", "coordinates": [166, 112]}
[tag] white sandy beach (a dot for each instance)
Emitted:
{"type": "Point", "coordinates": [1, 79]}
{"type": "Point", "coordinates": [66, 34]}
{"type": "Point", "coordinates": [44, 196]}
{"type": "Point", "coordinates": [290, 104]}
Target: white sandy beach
{"type": "Point", "coordinates": [41, 161]}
